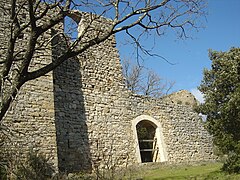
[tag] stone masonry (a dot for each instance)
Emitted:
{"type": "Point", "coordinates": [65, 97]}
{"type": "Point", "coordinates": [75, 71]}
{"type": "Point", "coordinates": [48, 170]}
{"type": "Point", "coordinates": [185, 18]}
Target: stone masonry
{"type": "Point", "coordinates": [82, 116]}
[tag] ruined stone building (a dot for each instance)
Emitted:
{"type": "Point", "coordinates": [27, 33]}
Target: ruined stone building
{"type": "Point", "coordinates": [81, 115]}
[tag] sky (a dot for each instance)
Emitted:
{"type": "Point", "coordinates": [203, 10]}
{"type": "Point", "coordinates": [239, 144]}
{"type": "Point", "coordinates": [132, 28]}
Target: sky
{"type": "Point", "coordinates": [190, 56]}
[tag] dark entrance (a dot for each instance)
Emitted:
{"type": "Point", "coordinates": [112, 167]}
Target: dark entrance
{"type": "Point", "coordinates": [147, 141]}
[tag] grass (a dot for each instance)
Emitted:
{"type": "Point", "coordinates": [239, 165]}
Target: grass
{"type": "Point", "coordinates": [181, 172]}
{"type": "Point", "coordinates": [152, 171]}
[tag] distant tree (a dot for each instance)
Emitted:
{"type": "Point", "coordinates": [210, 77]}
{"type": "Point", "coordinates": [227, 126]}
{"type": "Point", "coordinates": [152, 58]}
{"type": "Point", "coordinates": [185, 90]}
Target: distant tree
{"type": "Point", "coordinates": [221, 89]}
{"type": "Point", "coordinates": [155, 86]}
{"type": "Point", "coordinates": [133, 75]}
{"type": "Point", "coordinates": [24, 23]}
{"type": "Point", "coordinates": [146, 82]}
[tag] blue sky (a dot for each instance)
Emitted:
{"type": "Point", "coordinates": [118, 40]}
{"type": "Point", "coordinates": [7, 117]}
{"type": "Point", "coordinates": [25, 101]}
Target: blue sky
{"type": "Point", "coordinates": [221, 32]}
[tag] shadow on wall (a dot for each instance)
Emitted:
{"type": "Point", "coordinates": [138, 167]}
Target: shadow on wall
{"type": "Point", "coordinates": [70, 120]}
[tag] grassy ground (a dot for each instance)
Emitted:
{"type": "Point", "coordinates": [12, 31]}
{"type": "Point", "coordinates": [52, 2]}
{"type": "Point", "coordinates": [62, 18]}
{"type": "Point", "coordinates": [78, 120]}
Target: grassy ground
{"type": "Point", "coordinates": [204, 171]}
{"type": "Point", "coordinates": [196, 172]}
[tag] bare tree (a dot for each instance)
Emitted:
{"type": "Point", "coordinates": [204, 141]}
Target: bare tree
{"type": "Point", "coordinates": [133, 75]}
{"type": "Point", "coordinates": [155, 86]}
{"type": "Point", "coordinates": [25, 24]}
{"type": "Point", "coordinates": [143, 81]}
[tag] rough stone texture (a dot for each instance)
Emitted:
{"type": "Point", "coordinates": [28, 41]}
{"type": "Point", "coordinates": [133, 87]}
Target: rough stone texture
{"type": "Point", "coordinates": [95, 114]}
{"type": "Point", "coordinates": [81, 115]}
{"type": "Point", "coordinates": [182, 97]}
{"type": "Point", "coordinates": [31, 118]}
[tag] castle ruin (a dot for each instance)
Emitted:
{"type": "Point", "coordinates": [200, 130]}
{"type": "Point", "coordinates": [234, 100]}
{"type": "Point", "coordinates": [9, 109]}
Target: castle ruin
{"type": "Point", "coordinates": [81, 115]}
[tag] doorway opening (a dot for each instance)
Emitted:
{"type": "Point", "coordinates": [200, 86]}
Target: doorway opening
{"type": "Point", "coordinates": [147, 140]}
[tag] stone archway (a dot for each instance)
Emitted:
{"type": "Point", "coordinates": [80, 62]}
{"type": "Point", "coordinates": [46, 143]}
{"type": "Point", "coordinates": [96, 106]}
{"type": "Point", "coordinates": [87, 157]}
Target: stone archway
{"type": "Point", "coordinates": [149, 142]}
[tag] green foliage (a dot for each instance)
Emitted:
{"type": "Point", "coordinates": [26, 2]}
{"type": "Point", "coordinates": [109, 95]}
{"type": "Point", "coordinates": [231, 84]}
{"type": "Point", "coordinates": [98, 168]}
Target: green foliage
{"type": "Point", "coordinates": [179, 102]}
{"type": "Point", "coordinates": [221, 89]}
{"type": "Point", "coordinates": [3, 173]}
{"type": "Point", "coordinates": [36, 167]}
{"type": "Point", "coordinates": [232, 164]}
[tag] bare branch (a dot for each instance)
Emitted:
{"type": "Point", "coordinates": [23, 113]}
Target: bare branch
{"type": "Point", "coordinates": [31, 27]}
{"type": "Point", "coordinates": [146, 82]}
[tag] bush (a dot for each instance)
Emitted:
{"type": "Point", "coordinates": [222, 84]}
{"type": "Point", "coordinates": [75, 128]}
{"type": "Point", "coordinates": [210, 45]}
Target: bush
{"type": "Point", "coordinates": [232, 164]}
{"type": "Point", "coordinates": [3, 173]}
{"type": "Point", "coordinates": [34, 167]}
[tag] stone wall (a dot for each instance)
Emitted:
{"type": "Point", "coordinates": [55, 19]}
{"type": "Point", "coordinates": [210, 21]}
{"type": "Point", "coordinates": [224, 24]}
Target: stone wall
{"type": "Point", "coordinates": [96, 112]}
{"type": "Point", "coordinates": [82, 115]}
{"type": "Point", "coordinates": [182, 97]}
{"type": "Point", "coordinates": [30, 122]}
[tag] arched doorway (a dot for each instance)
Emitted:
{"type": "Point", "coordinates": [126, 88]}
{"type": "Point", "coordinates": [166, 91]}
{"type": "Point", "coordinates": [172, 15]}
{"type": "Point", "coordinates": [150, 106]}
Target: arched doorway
{"type": "Point", "coordinates": [149, 142]}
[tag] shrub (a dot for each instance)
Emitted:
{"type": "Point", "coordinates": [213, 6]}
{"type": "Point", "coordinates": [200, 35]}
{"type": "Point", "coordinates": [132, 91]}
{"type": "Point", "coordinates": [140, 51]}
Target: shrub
{"type": "Point", "coordinates": [232, 164]}
{"type": "Point", "coordinates": [35, 167]}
